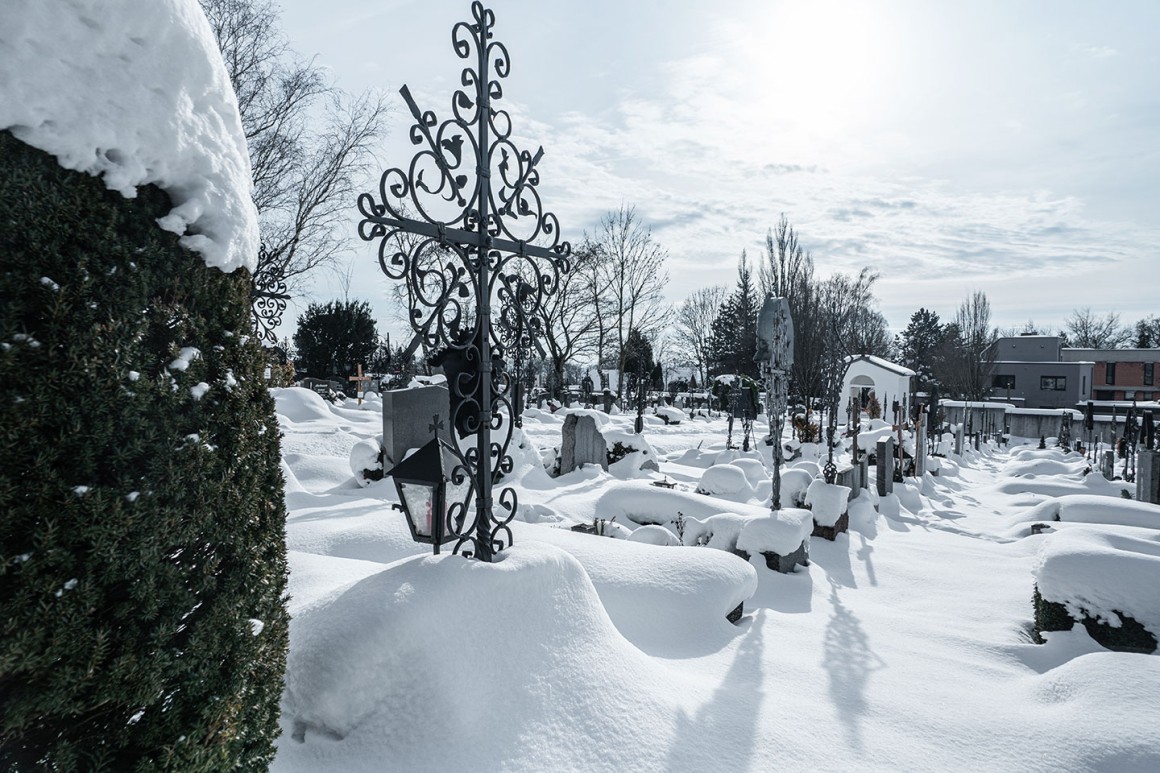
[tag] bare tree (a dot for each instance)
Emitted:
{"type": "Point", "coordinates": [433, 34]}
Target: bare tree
{"type": "Point", "coordinates": [569, 318]}
{"type": "Point", "coordinates": [970, 353]}
{"type": "Point", "coordinates": [630, 279]}
{"type": "Point", "coordinates": [787, 267]}
{"type": "Point", "coordinates": [309, 142]}
{"type": "Point", "coordinates": [1087, 331]}
{"type": "Point", "coordinates": [694, 325]}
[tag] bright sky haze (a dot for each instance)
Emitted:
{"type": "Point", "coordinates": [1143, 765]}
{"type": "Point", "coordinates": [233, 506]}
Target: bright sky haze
{"type": "Point", "coordinates": [1009, 147]}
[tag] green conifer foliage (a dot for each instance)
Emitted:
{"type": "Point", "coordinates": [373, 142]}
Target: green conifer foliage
{"type": "Point", "coordinates": [142, 553]}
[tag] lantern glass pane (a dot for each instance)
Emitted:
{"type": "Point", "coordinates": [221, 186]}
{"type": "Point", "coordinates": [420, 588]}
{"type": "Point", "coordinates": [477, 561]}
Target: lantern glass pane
{"type": "Point", "coordinates": [419, 500]}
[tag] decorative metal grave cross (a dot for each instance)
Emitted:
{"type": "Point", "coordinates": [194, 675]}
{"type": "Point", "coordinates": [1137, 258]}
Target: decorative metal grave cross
{"type": "Point", "coordinates": [480, 231]}
{"type": "Point", "coordinates": [775, 356]}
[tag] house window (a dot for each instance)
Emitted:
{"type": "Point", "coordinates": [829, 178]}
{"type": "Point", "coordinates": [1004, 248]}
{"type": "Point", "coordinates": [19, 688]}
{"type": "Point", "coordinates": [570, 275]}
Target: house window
{"type": "Point", "coordinates": [1052, 383]}
{"type": "Point", "coordinates": [1148, 373]}
{"type": "Point", "coordinates": [1003, 382]}
{"type": "Point", "coordinates": [1109, 373]}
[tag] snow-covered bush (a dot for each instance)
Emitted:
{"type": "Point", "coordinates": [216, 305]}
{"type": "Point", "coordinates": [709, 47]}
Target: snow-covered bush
{"type": "Point", "coordinates": [1103, 577]}
{"type": "Point", "coordinates": [141, 498]}
{"type": "Point", "coordinates": [794, 484]}
{"type": "Point", "coordinates": [366, 461]}
{"type": "Point", "coordinates": [176, 539]}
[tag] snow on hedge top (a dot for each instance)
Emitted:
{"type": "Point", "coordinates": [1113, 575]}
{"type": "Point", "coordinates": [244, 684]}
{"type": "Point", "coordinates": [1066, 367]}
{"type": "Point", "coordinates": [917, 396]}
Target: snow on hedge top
{"type": "Point", "coordinates": [135, 93]}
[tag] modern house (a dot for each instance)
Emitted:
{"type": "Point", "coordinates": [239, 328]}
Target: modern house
{"type": "Point", "coordinates": [1120, 374]}
{"type": "Point", "coordinates": [1030, 371]}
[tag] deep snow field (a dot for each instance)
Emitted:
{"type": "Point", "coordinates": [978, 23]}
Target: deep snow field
{"type": "Point", "coordinates": [904, 645]}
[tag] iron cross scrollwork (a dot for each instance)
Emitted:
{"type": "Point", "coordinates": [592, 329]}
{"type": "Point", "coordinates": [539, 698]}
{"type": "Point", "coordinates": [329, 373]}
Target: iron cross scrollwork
{"type": "Point", "coordinates": [464, 228]}
{"type": "Point", "coordinates": [268, 297]}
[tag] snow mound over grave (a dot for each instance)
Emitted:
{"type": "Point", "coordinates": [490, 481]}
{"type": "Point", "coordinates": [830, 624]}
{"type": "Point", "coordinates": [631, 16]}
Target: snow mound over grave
{"type": "Point", "coordinates": [693, 457]}
{"type": "Point", "coordinates": [727, 482]}
{"type": "Point", "coordinates": [1054, 486]}
{"type": "Point", "coordinates": [300, 405]}
{"type": "Point", "coordinates": [654, 535]}
{"type": "Point", "coordinates": [717, 531]}
{"type": "Point", "coordinates": [782, 532]}
{"type": "Point", "coordinates": [670, 602]}
{"type": "Point", "coordinates": [362, 529]}
{"type": "Point", "coordinates": [637, 502]}
{"type": "Point", "coordinates": [754, 470]}
{"type": "Point", "coordinates": [633, 464]}
{"type": "Point", "coordinates": [1085, 508]}
{"type": "Point", "coordinates": [673, 415]}
{"type": "Point", "coordinates": [135, 93]}
{"type": "Point", "coordinates": [1102, 572]}
{"type": "Point", "coordinates": [1034, 467]}
{"type": "Point", "coordinates": [428, 648]}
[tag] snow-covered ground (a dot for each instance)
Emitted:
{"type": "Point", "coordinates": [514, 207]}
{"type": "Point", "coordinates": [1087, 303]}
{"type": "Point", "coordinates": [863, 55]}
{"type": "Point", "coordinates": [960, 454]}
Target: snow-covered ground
{"type": "Point", "coordinates": [904, 645]}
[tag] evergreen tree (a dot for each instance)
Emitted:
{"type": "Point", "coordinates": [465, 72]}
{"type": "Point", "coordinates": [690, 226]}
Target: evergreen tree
{"type": "Point", "coordinates": [734, 340]}
{"type": "Point", "coordinates": [142, 556]}
{"type": "Point", "coordinates": [333, 338]}
{"type": "Point", "coordinates": [920, 346]}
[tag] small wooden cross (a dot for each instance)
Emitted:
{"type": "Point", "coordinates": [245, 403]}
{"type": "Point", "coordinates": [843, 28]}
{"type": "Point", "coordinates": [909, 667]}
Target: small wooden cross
{"type": "Point", "coordinates": [360, 378]}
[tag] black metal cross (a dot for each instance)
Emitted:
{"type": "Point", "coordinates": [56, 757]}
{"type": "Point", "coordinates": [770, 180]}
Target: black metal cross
{"type": "Point", "coordinates": [464, 223]}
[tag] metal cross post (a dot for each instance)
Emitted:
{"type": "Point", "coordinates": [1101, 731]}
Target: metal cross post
{"type": "Point", "coordinates": [479, 230]}
{"type": "Point", "coordinates": [775, 355]}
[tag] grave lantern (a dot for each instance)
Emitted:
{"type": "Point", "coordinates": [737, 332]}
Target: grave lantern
{"type": "Point", "coordinates": [421, 480]}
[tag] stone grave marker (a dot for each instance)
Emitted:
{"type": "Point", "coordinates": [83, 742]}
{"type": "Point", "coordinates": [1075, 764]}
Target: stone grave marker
{"type": "Point", "coordinates": [582, 444]}
{"type": "Point", "coordinates": [959, 435]}
{"type": "Point", "coordinates": [1148, 476]}
{"type": "Point", "coordinates": [407, 417]}
{"type": "Point", "coordinates": [885, 466]}
{"type": "Point", "coordinates": [1108, 465]}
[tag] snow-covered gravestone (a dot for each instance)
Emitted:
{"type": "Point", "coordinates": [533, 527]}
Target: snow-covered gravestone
{"type": "Point", "coordinates": [783, 538]}
{"type": "Point", "coordinates": [828, 502]}
{"type": "Point", "coordinates": [149, 527]}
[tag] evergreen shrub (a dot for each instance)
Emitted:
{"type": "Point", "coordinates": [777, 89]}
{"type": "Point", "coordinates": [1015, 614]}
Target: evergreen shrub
{"type": "Point", "coordinates": [142, 551]}
{"type": "Point", "coordinates": [1129, 636]}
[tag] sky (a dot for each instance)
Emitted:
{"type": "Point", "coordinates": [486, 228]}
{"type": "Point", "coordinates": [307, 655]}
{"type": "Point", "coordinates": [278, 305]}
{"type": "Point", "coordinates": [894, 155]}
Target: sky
{"type": "Point", "coordinates": [1007, 147]}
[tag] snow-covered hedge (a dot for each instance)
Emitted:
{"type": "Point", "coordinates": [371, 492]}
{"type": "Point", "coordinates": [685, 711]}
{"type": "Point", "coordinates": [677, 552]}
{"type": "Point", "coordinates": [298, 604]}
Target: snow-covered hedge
{"type": "Point", "coordinates": [1103, 574]}
{"type": "Point", "coordinates": [140, 488]}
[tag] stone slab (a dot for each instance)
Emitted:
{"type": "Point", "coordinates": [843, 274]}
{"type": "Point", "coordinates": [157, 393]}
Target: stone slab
{"type": "Point", "coordinates": [1148, 476]}
{"type": "Point", "coordinates": [582, 443]}
{"type": "Point", "coordinates": [884, 463]}
{"type": "Point", "coordinates": [407, 417]}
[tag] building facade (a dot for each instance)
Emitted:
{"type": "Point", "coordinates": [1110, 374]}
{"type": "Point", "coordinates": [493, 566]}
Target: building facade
{"type": "Point", "coordinates": [1030, 372]}
{"type": "Point", "coordinates": [1121, 374]}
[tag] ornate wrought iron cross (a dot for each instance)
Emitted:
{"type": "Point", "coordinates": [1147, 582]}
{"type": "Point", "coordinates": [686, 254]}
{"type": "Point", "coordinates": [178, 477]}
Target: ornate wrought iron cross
{"type": "Point", "coordinates": [268, 296]}
{"type": "Point", "coordinates": [462, 225]}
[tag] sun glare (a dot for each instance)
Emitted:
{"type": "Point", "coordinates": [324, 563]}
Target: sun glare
{"type": "Point", "coordinates": [826, 62]}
